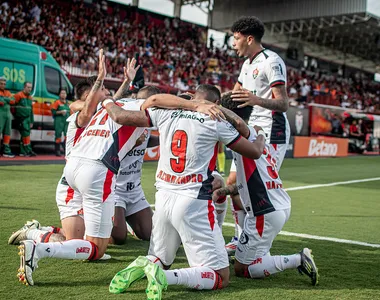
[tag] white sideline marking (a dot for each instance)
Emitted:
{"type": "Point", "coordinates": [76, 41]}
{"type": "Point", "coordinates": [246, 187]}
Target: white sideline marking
{"type": "Point", "coordinates": [316, 237]}
{"type": "Point", "coordinates": [313, 186]}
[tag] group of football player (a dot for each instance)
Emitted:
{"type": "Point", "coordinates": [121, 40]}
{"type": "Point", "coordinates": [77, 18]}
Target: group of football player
{"type": "Point", "coordinates": [99, 193]}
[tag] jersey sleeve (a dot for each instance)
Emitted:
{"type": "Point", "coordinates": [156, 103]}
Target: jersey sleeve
{"type": "Point", "coordinates": [276, 71]}
{"type": "Point", "coordinates": [154, 115]}
{"type": "Point", "coordinates": [227, 134]}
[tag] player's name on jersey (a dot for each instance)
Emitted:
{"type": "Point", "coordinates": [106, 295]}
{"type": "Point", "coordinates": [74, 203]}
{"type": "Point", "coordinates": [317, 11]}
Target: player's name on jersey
{"type": "Point", "coordinates": [179, 179]}
{"type": "Point", "coordinates": [186, 115]}
{"type": "Point", "coordinates": [273, 185]}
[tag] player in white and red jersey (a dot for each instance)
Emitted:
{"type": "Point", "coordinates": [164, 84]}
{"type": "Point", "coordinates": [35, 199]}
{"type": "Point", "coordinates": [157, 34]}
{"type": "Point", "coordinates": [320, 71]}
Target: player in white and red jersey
{"type": "Point", "coordinates": [131, 205]}
{"type": "Point", "coordinates": [94, 160]}
{"type": "Point", "coordinates": [262, 84]}
{"type": "Point", "coordinates": [267, 208]}
{"type": "Point", "coordinates": [184, 210]}
{"type": "Point", "coordinates": [69, 202]}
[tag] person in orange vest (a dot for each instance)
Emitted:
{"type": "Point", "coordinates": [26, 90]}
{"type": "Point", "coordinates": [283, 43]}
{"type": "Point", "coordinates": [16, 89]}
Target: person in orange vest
{"type": "Point", "coordinates": [6, 99]}
{"type": "Point", "coordinates": [61, 111]}
{"type": "Point", "coordinates": [24, 118]}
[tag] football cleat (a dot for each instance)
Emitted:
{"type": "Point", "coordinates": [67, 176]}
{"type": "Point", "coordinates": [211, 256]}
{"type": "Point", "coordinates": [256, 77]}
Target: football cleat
{"type": "Point", "coordinates": [308, 266]}
{"type": "Point", "coordinates": [123, 279]}
{"type": "Point", "coordinates": [231, 246]}
{"type": "Point", "coordinates": [28, 262]}
{"type": "Point", "coordinates": [157, 281]}
{"type": "Point", "coordinates": [20, 234]}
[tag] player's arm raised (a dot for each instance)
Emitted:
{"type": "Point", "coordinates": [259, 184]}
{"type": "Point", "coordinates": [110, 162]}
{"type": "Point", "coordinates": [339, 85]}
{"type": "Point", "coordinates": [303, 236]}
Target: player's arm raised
{"type": "Point", "coordinates": [137, 118]}
{"type": "Point", "coordinates": [236, 121]}
{"type": "Point", "coordinates": [92, 99]}
{"type": "Point", "coordinates": [169, 101]}
{"type": "Point", "coordinates": [250, 149]}
{"type": "Point", "coordinates": [129, 74]}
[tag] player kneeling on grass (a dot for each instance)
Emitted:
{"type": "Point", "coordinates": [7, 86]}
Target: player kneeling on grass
{"type": "Point", "coordinates": [185, 212]}
{"type": "Point", "coordinates": [267, 207]}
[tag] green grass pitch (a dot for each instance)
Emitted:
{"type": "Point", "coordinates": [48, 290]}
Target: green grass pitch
{"type": "Point", "coordinates": [344, 211]}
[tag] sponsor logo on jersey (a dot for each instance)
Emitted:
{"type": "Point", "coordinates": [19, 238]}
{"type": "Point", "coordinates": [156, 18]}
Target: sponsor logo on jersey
{"type": "Point", "coordinates": [186, 115]}
{"type": "Point", "coordinates": [136, 152]}
{"type": "Point", "coordinates": [322, 148]}
{"type": "Point", "coordinates": [243, 238]}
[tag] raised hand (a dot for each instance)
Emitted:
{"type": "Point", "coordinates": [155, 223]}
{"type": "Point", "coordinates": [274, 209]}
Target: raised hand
{"type": "Point", "coordinates": [130, 71]}
{"type": "Point", "coordinates": [102, 65]}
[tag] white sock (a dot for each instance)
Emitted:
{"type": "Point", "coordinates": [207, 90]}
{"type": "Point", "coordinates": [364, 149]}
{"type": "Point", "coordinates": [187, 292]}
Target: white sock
{"type": "Point", "coordinates": [268, 265]}
{"type": "Point", "coordinates": [221, 210]}
{"type": "Point", "coordinates": [200, 278]}
{"type": "Point", "coordinates": [50, 229]}
{"type": "Point", "coordinates": [155, 260]}
{"type": "Point", "coordinates": [37, 234]}
{"type": "Point", "coordinates": [72, 249]}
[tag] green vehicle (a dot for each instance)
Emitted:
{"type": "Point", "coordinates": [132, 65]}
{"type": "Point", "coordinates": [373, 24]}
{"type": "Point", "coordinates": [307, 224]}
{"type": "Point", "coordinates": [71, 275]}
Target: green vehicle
{"type": "Point", "coordinates": [20, 62]}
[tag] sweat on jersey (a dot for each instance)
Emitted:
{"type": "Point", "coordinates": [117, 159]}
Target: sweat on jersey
{"type": "Point", "coordinates": [258, 182]}
{"type": "Point", "coordinates": [105, 140]}
{"type": "Point", "coordinates": [188, 150]}
{"type": "Point", "coordinates": [258, 75]}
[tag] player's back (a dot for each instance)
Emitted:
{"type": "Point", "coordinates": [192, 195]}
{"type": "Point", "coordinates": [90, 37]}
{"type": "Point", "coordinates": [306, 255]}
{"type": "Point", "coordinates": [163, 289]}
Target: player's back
{"type": "Point", "coordinates": [188, 150]}
{"type": "Point", "coordinates": [107, 141]}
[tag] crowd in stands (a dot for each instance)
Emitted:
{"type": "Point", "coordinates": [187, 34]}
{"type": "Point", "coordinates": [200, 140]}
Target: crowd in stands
{"type": "Point", "coordinates": [172, 52]}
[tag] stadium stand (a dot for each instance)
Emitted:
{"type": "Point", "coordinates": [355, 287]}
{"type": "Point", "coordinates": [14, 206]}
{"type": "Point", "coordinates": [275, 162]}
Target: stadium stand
{"type": "Point", "coordinates": [74, 31]}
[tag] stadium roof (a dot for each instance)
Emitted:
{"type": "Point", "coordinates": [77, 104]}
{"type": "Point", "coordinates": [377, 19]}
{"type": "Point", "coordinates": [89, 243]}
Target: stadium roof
{"type": "Point", "coordinates": [339, 37]}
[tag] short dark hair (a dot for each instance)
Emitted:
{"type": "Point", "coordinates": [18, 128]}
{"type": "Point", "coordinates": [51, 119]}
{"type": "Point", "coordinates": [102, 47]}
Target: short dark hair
{"type": "Point", "coordinates": [209, 92]}
{"type": "Point", "coordinates": [249, 26]}
{"type": "Point", "coordinates": [26, 82]}
{"type": "Point", "coordinates": [147, 91]}
{"type": "Point", "coordinates": [185, 96]}
{"type": "Point", "coordinates": [243, 112]}
{"type": "Point", "coordinates": [62, 89]}
{"type": "Point", "coordinates": [84, 85]}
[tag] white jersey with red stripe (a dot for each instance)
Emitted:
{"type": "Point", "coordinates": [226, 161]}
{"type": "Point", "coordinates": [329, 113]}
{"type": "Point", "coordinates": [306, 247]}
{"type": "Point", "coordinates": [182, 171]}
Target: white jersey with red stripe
{"type": "Point", "coordinates": [188, 150]}
{"type": "Point", "coordinates": [73, 133]}
{"type": "Point", "coordinates": [105, 140]}
{"type": "Point", "coordinates": [258, 182]}
{"type": "Point", "coordinates": [129, 176]}
{"type": "Point", "coordinates": [259, 74]}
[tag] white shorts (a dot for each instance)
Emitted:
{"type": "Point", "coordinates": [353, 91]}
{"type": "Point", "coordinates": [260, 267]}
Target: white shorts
{"type": "Point", "coordinates": [191, 221]}
{"type": "Point", "coordinates": [69, 202]}
{"type": "Point", "coordinates": [281, 149]}
{"type": "Point", "coordinates": [279, 155]}
{"type": "Point", "coordinates": [258, 235]}
{"type": "Point", "coordinates": [96, 184]}
{"type": "Point", "coordinates": [133, 201]}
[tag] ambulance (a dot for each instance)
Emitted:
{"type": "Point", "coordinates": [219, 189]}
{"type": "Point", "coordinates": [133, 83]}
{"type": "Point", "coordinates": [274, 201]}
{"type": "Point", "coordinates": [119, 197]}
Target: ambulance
{"type": "Point", "coordinates": [21, 62]}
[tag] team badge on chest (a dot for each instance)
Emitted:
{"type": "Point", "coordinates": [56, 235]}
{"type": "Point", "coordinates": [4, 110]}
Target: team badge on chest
{"type": "Point", "coordinates": [255, 73]}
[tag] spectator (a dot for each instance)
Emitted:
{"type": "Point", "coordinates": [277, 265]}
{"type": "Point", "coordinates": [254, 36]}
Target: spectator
{"type": "Point", "coordinates": [6, 99]}
{"type": "Point", "coordinates": [24, 118]}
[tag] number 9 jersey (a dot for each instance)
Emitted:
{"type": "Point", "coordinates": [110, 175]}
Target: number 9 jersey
{"type": "Point", "coordinates": [188, 150]}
